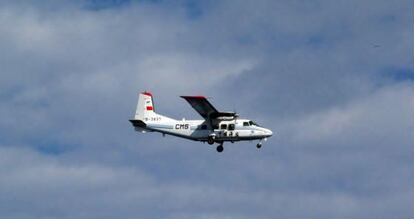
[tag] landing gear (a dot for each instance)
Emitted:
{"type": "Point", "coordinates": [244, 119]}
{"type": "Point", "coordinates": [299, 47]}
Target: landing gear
{"type": "Point", "coordinates": [259, 145]}
{"type": "Point", "coordinates": [210, 140]}
{"type": "Point", "coordinates": [220, 148]}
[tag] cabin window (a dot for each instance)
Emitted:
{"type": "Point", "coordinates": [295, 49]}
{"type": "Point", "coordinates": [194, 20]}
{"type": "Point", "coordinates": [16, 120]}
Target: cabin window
{"type": "Point", "coordinates": [245, 123]}
{"type": "Point", "coordinates": [231, 126]}
{"type": "Point", "coordinates": [223, 126]}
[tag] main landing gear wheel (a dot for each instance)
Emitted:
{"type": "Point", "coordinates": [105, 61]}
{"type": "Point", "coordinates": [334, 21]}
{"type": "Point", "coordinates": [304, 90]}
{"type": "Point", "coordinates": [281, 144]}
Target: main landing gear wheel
{"type": "Point", "coordinates": [220, 148]}
{"type": "Point", "coordinates": [210, 140]}
{"type": "Point", "coordinates": [259, 146]}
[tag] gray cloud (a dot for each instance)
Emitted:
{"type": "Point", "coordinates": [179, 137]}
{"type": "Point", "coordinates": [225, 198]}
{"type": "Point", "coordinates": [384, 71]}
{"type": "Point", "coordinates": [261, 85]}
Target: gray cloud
{"type": "Point", "coordinates": [309, 70]}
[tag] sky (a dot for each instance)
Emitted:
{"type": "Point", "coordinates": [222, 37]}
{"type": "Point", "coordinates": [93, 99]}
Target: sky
{"type": "Point", "coordinates": [333, 80]}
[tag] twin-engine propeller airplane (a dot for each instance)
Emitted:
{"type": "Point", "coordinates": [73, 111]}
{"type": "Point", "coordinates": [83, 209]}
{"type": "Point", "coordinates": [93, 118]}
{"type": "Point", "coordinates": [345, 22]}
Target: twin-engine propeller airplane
{"type": "Point", "coordinates": [217, 127]}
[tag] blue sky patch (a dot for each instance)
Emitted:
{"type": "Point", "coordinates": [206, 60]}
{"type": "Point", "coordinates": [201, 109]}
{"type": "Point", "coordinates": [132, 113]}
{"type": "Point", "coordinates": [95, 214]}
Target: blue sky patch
{"type": "Point", "coordinates": [105, 4]}
{"type": "Point", "coordinates": [400, 74]}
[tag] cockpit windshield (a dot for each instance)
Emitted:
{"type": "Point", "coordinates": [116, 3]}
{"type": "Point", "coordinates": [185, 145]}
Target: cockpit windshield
{"type": "Point", "coordinates": [253, 123]}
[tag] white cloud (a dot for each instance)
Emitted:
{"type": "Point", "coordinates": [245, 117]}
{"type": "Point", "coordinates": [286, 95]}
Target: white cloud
{"type": "Point", "coordinates": [382, 118]}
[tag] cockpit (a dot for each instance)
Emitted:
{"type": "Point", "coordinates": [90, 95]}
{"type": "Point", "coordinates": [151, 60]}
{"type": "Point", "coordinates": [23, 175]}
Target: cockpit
{"type": "Point", "coordinates": [250, 123]}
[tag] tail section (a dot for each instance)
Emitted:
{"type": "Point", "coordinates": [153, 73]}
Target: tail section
{"type": "Point", "coordinates": [145, 107]}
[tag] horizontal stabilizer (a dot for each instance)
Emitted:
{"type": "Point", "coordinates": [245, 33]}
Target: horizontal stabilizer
{"type": "Point", "coordinates": [138, 123]}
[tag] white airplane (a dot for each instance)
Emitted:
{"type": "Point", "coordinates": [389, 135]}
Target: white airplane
{"type": "Point", "coordinates": [216, 127]}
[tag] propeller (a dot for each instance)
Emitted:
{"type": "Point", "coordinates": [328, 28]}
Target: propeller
{"type": "Point", "coordinates": [236, 115]}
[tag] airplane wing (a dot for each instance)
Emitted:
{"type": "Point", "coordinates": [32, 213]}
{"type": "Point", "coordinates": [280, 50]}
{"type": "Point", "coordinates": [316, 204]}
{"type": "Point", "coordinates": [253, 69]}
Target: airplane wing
{"type": "Point", "coordinates": [204, 107]}
{"type": "Point", "coordinates": [201, 105]}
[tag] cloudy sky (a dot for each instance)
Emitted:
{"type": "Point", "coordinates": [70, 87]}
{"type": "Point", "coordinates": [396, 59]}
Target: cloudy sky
{"type": "Point", "coordinates": [332, 79]}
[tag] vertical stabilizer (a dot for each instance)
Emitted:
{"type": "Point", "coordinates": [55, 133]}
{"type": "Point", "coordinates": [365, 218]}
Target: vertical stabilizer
{"type": "Point", "coordinates": [145, 107]}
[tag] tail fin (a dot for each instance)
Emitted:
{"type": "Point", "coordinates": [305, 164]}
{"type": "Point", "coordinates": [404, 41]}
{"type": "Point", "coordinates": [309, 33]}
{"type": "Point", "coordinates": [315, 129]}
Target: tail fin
{"type": "Point", "coordinates": [145, 107]}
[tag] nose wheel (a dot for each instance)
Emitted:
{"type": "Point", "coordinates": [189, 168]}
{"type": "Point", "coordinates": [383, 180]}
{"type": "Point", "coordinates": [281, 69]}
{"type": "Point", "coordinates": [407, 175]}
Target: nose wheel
{"type": "Point", "coordinates": [259, 145]}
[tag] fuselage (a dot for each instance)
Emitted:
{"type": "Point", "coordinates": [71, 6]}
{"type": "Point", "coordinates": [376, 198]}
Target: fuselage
{"type": "Point", "coordinates": [200, 130]}
{"type": "Point", "coordinates": [216, 127]}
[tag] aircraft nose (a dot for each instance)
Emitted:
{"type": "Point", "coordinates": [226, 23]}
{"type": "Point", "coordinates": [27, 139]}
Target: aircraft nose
{"type": "Point", "coordinates": [269, 132]}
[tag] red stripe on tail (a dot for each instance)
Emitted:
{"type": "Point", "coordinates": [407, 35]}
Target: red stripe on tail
{"type": "Point", "coordinates": [147, 93]}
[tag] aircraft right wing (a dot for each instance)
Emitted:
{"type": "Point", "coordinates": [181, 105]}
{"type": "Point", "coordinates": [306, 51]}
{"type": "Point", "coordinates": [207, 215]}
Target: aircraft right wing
{"type": "Point", "coordinates": [205, 108]}
{"type": "Point", "coordinates": [201, 105]}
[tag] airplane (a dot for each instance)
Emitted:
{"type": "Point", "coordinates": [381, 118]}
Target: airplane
{"type": "Point", "coordinates": [216, 127]}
